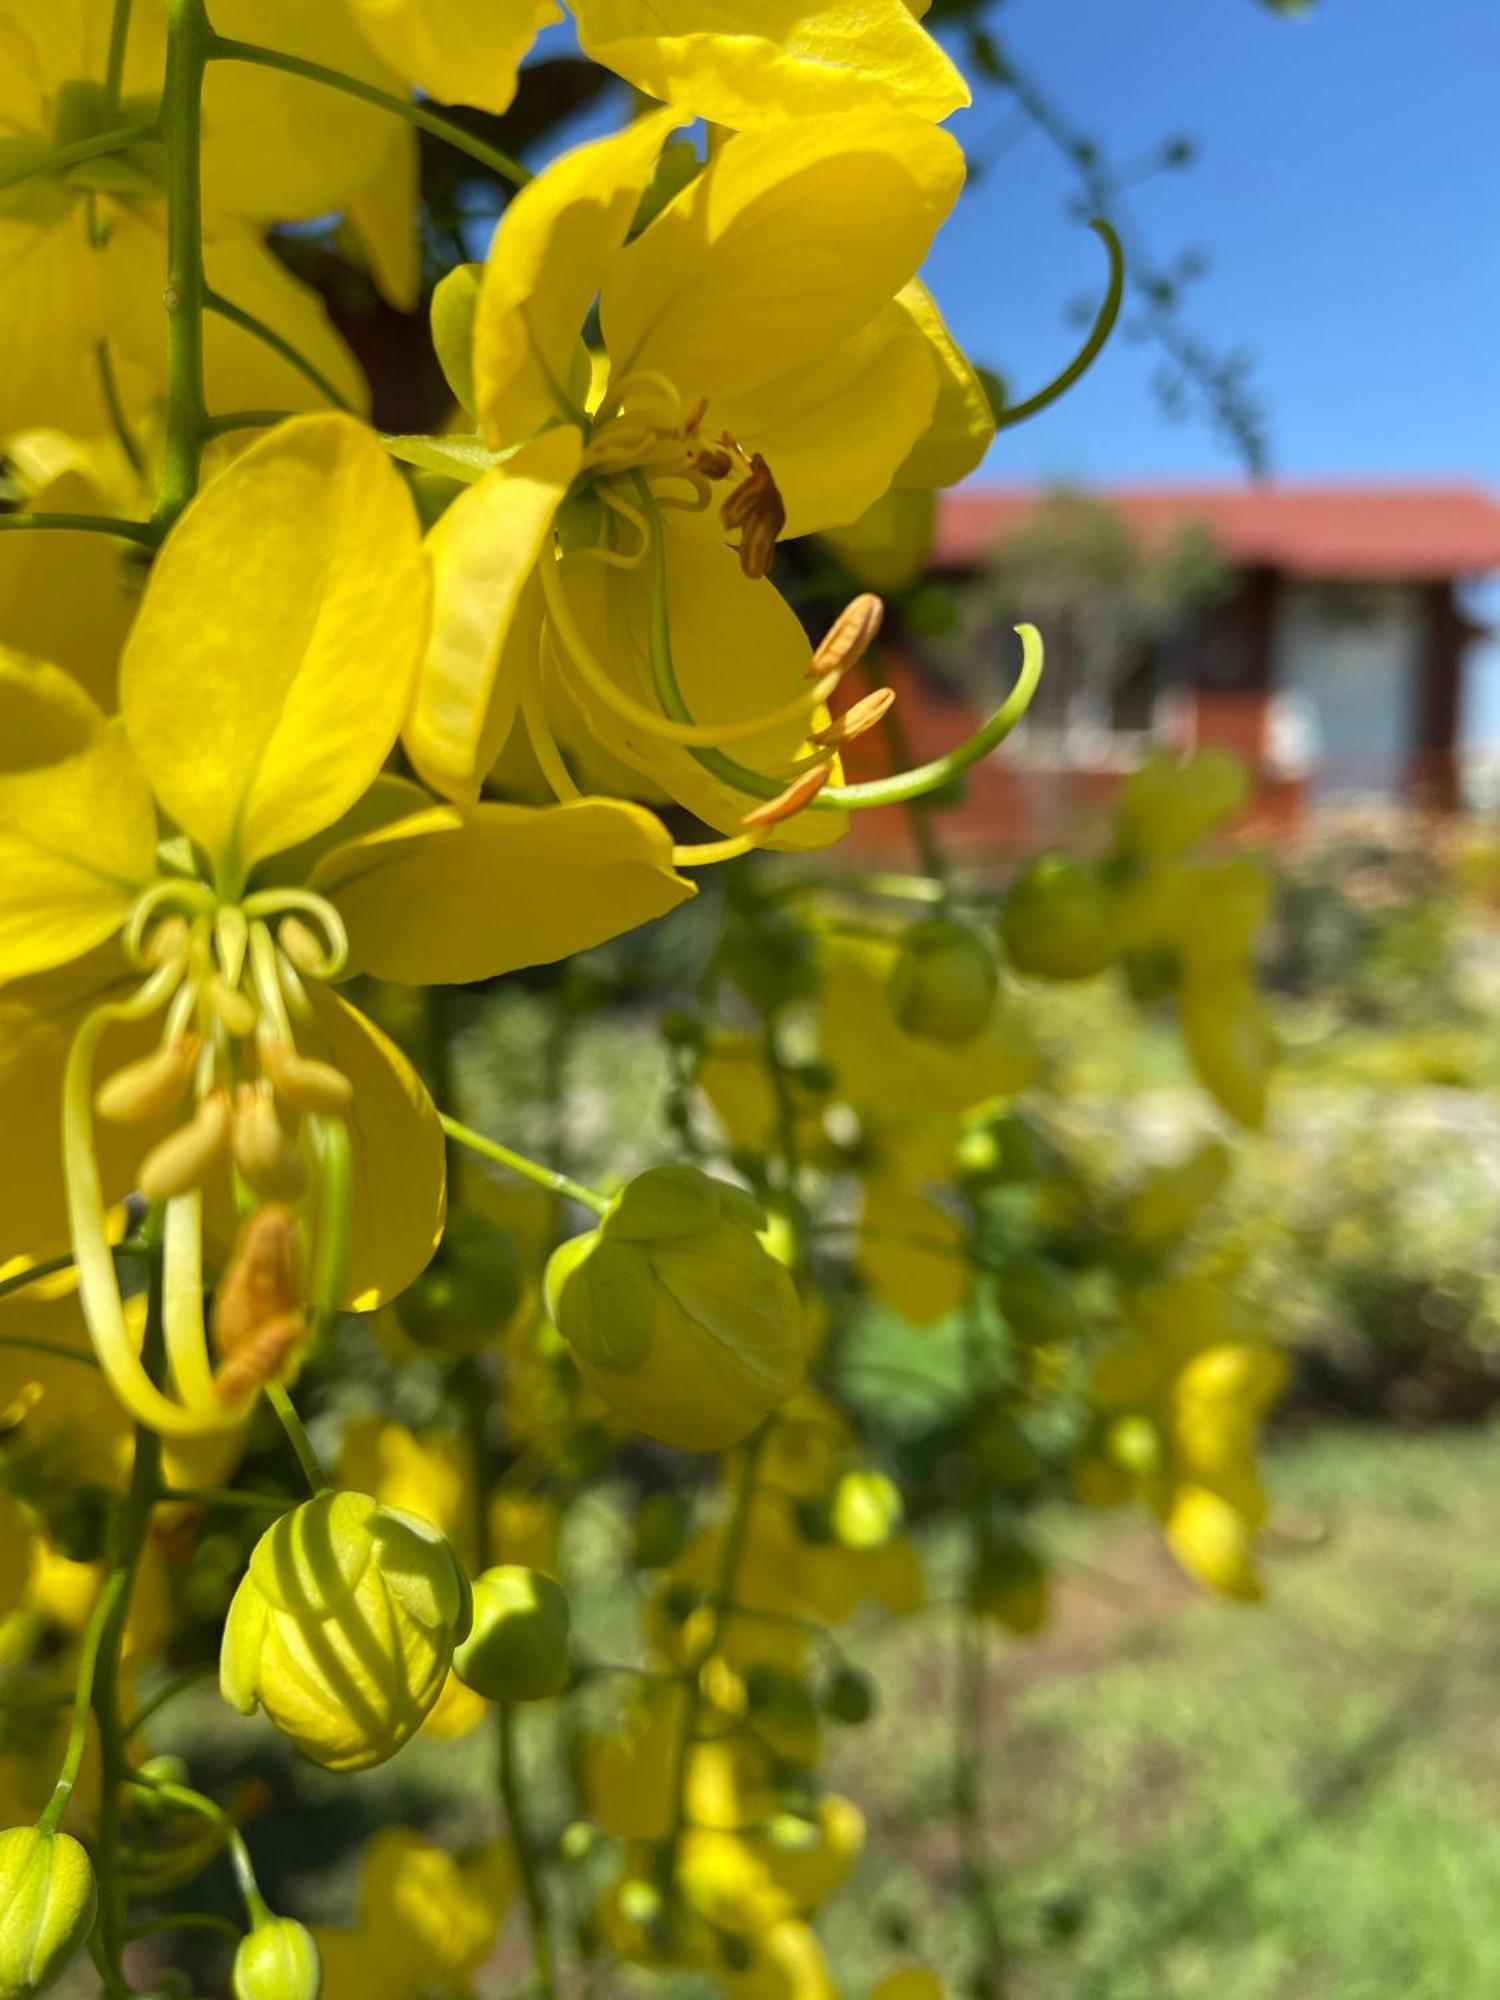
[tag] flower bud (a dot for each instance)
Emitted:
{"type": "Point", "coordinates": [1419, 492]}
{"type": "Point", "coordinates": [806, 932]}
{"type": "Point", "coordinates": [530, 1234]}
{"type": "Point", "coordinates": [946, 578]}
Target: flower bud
{"type": "Point", "coordinates": [943, 984]}
{"type": "Point", "coordinates": [278, 1961]}
{"type": "Point", "coordinates": [517, 1648]}
{"type": "Point", "coordinates": [48, 1899]}
{"type": "Point", "coordinates": [470, 1291]}
{"type": "Point", "coordinates": [1059, 921]}
{"type": "Point", "coordinates": [677, 1315]}
{"type": "Point", "coordinates": [343, 1628]}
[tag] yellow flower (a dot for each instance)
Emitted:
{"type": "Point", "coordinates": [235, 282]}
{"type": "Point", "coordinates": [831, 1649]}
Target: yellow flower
{"type": "Point", "coordinates": [261, 692]}
{"type": "Point", "coordinates": [343, 1628]}
{"type": "Point", "coordinates": [427, 1921]}
{"type": "Point", "coordinates": [762, 339]}
{"type": "Point", "coordinates": [82, 243]}
{"type": "Point", "coordinates": [736, 62]}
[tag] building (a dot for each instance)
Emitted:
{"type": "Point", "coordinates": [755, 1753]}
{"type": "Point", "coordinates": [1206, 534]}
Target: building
{"type": "Point", "coordinates": [1329, 651]}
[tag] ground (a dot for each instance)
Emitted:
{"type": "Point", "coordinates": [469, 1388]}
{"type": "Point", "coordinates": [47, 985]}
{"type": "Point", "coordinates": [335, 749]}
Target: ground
{"type": "Point", "coordinates": [1190, 1799]}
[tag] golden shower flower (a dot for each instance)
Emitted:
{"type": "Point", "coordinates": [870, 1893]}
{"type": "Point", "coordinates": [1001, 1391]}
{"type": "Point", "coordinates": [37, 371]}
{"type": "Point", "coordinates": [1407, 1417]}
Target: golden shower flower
{"type": "Point", "coordinates": [426, 1921]}
{"type": "Point", "coordinates": [261, 693]}
{"type": "Point", "coordinates": [343, 1628]}
{"type": "Point", "coordinates": [768, 367]}
{"type": "Point", "coordinates": [83, 244]}
{"type": "Point", "coordinates": [676, 1314]}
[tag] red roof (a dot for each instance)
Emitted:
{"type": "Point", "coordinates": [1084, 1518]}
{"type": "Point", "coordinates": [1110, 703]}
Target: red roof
{"type": "Point", "coordinates": [1366, 531]}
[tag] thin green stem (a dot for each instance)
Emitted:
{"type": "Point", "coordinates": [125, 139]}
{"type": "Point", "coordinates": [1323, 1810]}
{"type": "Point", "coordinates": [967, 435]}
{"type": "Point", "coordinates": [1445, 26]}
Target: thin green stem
{"type": "Point", "coordinates": [256, 1907]}
{"type": "Point", "coordinates": [145, 533]}
{"type": "Point", "coordinates": [226, 309]}
{"type": "Point", "coordinates": [531, 1170]}
{"type": "Point", "coordinates": [188, 1920]}
{"type": "Point", "coordinates": [243, 420]}
{"type": "Point", "coordinates": [128, 1534]}
{"type": "Point", "coordinates": [116, 1585]}
{"type": "Point", "coordinates": [119, 423]}
{"type": "Point", "coordinates": [54, 1349]}
{"type": "Point", "coordinates": [119, 39]}
{"type": "Point", "coordinates": [301, 1443]}
{"type": "Point", "coordinates": [1093, 347]}
{"type": "Point", "coordinates": [188, 40]}
{"type": "Point", "coordinates": [225, 49]}
{"type": "Point", "coordinates": [190, 1677]}
{"type": "Point", "coordinates": [538, 1916]}
{"type": "Point", "coordinates": [57, 159]}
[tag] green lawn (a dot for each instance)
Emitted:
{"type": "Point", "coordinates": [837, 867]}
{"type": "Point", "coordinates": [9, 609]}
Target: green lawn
{"type": "Point", "coordinates": [1193, 1800]}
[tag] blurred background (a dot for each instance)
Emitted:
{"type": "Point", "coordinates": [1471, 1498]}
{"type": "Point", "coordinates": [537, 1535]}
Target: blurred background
{"type": "Point", "coordinates": [1267, 520]}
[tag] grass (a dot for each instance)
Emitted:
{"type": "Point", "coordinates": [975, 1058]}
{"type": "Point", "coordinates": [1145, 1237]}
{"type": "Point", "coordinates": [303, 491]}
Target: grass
{"type": "Point", "coordinates": [1190, 1801]}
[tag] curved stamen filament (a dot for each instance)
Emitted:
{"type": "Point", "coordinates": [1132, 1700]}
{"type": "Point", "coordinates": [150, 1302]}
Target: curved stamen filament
{"type": "Point", "coordinates": [98, 1283]}
{"type": "Point", "coordinates": [544, 744]}
{"type": "Point", "coordinates": [689, 735]}
{"type": "Point", "coordinates": [163, 900]}
{"type": "Point", "coordinates": [708, 853]}
{"type": "Point", "coordinates": [182, 1304]}
{"type": "Point", "coordinates": [304, 903]}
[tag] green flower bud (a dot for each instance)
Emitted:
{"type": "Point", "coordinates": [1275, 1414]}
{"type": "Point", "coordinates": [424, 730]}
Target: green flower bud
{"type": "Point", "coordinates": [343, 1628]}
{"type": "Point", "coordinates": [661, 1530]}
{"type": "Point", "coordinates": [48, 1899]}
{"type": "Point", "coordinates": [517, 1648]}
{"type": "Point", "coordinates": [849, 1697]}
{"type": "Point", "coordinates": [677, 1315]}
{"type": "Point", "coordinates": [943, 984]}
{"type": "Point", "coordinates": [278, 1961]}
{"type": "Point", "coordinates": [468, 1293]}
{"type": "Point", "coordinates": [1059, 921]}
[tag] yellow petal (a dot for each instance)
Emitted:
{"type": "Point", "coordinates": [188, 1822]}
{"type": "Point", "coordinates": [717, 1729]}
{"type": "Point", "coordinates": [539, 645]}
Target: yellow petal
{"type": "Point", "coordinates": [888, 548]}
{"type": "Point", "coordinates": [739, 64]}
{"type": "Point", "coordinates": [68, 598]}
{"type": "Point", "coordinates": [483, 553]}
{"type": "Point", "coordinates": [77, 827]}
{"type": "Point", "coordinates": [279, 147]}
{"type": "Point", "coordinates": [453, 50]}
{"type": "Point", "coordinates": [546, 264]}
{"type": "Point", "coordinates": [273, 657]}
{"type": "Point", "coordinates": [454, 896]}
{"type": "Point", "coordinates": [913, 1253]}
{"type": "Point", "coordinates": [792, 240]}
{"type": "Point", "coordinates": [836, 435]}
{"type": "Point", "coordinates": [739, 651]}
{"type": "Point", "coordinates": [962, 428]}
{"type": "Point", "coordinates": [399, 1194]}
{"type": "Point", "coordinates": [51, 316]}
{"type": "Point", "coordinates": [385, 215]}
{"type": "Point", "coordinates": [38, 1020]}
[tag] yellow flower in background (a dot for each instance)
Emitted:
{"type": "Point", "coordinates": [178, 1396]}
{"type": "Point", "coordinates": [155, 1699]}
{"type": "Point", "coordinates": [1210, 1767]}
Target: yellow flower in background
{"type": "Point", "coordinates": [427, 1921]}
{"type": "Point", "coordinates": [762, 341]}
{"type": "Point", "coordinates": [198, 973]}
{"type": "Point", "coordinates": [83, 248]}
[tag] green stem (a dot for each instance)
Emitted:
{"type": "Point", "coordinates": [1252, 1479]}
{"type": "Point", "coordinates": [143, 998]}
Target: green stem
{"type": "Point", "coordinates": [57, 159]}
{"type": "Point", "coordinates": [243, 420]}
{"type": "Point", "coordinates": [188, 40]}
{"type": "Point", "coordinates": [256, 1907]}
{"type": "Point", "coordinates": [29, 1344]}
{"type": "Point", "coordinates": [129, 1530]}
{"type": "Point", "coordinates": [119, 37]}
{"type": "Point", "coordinates": [116, 409]}
{"type": "Point", "coordinates": [532, 1894]}
{"type": "Point", "coordinates": [224, 49]}
{"type": "Point", "coordinates": [190, 1677]}
{"type": "Point", "coordinates": [301, 1443]}
{"type": "Point", "coordinates": [116, 1585]}
{"type": "Point", "coordinates": [226, 309]}
{"type": "Point", "coordinates": [146, 533]}
{"type": "Point", "coordinates": [188, 1920]}
{"type": "Point", "coordinates": [1093, 347]}
{"type": "Point", "coordinates": [531, 1170]}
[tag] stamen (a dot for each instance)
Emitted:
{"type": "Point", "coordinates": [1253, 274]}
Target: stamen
{"type": "Point", "coordinates": [544, 744]}
{"type": "Point", "coordinates": [263, 1152]}
{"type": "Point", "coordinates": [259, 1314]}
{"type": "Point", "coordinates": [302, 945]}
{"type": "Point", "coordinates": [757, 509]}
{"type": "Point", "coordinates": [789, 803]}
{"type": "Point", "coordinates": [850, 636]}
{"type": "Point", "coordinates": [150, 1087]}
{"type": "Point", "coordinates": [185, 1158]}
{"type": "Point", "coordinates": [708, 853]}
{"type": "Point", "coordinates": [325, 918]}
{"type": "Point", "coordinates": [305, 1083]}
{"type": "Point", "coordinates": [857, 721]}
{"type": "Point", "coordinates": [173, 901]}
{"type": "Point", "coordinates": [235, 1009]}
